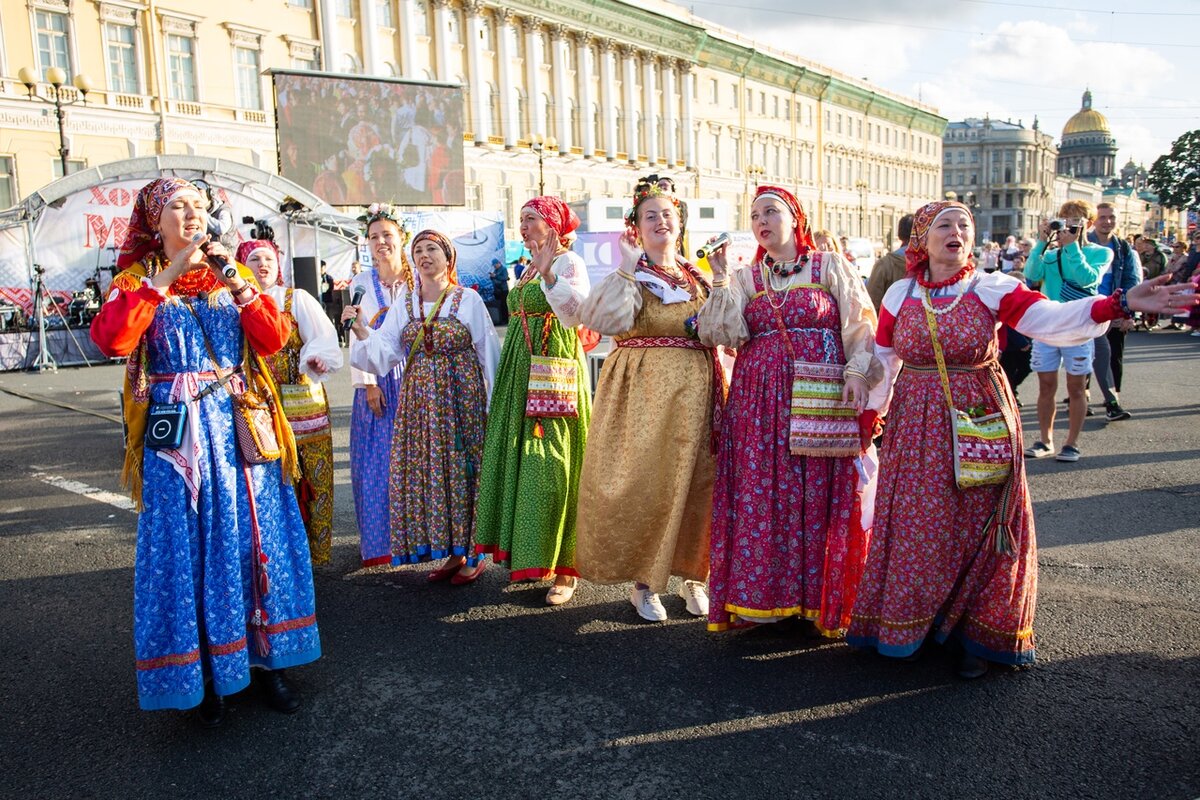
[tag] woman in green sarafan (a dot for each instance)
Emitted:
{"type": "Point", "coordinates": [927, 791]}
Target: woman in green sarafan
{"type": "Point", "coordinates": [536, 430]}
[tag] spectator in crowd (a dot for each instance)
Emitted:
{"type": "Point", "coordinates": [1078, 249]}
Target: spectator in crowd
{"type": "Point", "coordinates": [500, 291]}
{"type": "Point", "coordinates": [1125, 273]}
{"type": "Point", "coordinates": [825, 240]}
{"type": "Point", "coordinates": [1069, 268]}
{"type": "Point", "coordinates": [891, 267]}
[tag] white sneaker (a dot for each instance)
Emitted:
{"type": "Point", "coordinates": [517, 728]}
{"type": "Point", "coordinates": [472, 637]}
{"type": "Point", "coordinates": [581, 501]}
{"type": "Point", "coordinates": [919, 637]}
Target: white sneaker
{"type": "Point", "coordinates": [648, 606]}
{"type": "Point", "coordinates": [695, 594]}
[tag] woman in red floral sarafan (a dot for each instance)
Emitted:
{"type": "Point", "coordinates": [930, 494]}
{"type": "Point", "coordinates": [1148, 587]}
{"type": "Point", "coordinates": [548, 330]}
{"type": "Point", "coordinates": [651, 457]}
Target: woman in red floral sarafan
{"type": "Point", "coordinates": [789, 532]}
{"type": "Point", "coordinates": [947, 560]}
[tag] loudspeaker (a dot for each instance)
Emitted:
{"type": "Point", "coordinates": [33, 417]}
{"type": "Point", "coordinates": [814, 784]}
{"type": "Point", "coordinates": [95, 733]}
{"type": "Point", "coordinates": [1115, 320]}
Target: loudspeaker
{"type": "Point", "coordinates": [306, 275]}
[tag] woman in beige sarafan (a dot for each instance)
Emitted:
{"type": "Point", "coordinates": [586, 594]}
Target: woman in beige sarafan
{"type": "Point", "coordinates": [646, 489]}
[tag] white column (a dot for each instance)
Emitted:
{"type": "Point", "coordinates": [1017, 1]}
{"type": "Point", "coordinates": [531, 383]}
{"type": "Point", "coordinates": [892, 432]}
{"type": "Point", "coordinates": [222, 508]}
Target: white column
{"type": "Point", "coordinates": [533, 77]}
{"type": "Point", "coordinates": [441, 24]}
{"type": "Point", "coordinates": [668, 102]}
{"type": "Point", "coordinates": [631, 142]}
{"type": "Point", "coordinates": [650, 108]}
{"type": "Point", "coordinates": [689, 91]}
{"type": "Point", "coordinates": [482, 122]}
{"type": "Point", "coordinates": [608, 84]}
{"type": "Point", "coordinates": [508, 99]}
{"type": "Point", "coordinates": [408, 39]}
{"type": "Point", "coordinates": [329, 37]}
{"type": "Point", "coordinates": [369, 29]}
{"type": "Point", "coordinates": [562, 99]}
{"type": "Point", "coordinates": [586, 124]}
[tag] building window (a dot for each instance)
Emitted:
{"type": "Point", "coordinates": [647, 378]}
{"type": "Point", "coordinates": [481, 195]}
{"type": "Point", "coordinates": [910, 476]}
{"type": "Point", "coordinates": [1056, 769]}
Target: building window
{"type": "Point", "coordinates": [249, 88]}
{"type": "Point", "coordinates": [345, 8]}
{"type": "Point", "coordinates": [181, 64]}
{"type": "Point", "coordinates": [420, 18]}
{"type": "Point", "coordinates": [304, 63]}
{"type": "Point", "coordinates": [471, 190]}
{"type": "Point", "coordinates": [453, 30]}
{"type": "Point", "coordinates": [762, 103]}
{"type": "Point", "coordinates": [384, 11]}
{"type": "Point", "coordinates": [300, 4]}
{"type": "Point", "coordinates": [733, 94]}
{"type": "Point", "coordinates": [73, 165]}
{"type": "Point", "coordinates": [52, 42]}
{"type": "Point", "coordinates": [714, 91]}
{"type": "Point", "coordinates": [828, 121]}
{"type": "Point", "coordinates": [787, 109]}
{"type": "Point", "coordinates": [122, 58]}
{"type": "Point", "coordinates": [8, 182]}
{"type": "Point", "coordinates": [486, 35]}
{"type": "Point", "coordinates": [349, 64]}
{"type": "Point", "coordinates": [839, 123]}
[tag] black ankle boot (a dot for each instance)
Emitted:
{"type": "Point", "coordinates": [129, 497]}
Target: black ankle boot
{"type": "Point", "coordinates": [279, 694]}
{"type": "Point", "coordinates": [211, 711]}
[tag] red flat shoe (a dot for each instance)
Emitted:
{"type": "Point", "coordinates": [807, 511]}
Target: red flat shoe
{"type": "Point", "coordinates": [445, 573]}
{"type": "Point", "coordinates": [459, 580]}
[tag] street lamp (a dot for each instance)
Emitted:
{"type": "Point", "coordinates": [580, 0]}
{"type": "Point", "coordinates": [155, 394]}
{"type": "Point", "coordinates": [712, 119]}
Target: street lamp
{"type": "Point", "coordinates": [538, 144]}
{"type": "Point", "coordinates": [57, 97]}
{"type": "Point", "coordinates": [862, 187]}
{"type": "Point", "coordinates": [753, 173]}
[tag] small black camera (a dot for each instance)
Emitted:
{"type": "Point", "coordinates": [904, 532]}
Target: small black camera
{"type": "Point", "coordinates": [38, 269]}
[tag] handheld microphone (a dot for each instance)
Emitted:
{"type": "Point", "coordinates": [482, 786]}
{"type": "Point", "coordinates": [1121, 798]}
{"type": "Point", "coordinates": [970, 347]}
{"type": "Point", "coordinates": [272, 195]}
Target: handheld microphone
{"type": "Point", "coordinates": [711, 247]}
{"type": "Point", "coordinates": [354, 301]}
{"type": "Point", "coordinates": [227, 269]}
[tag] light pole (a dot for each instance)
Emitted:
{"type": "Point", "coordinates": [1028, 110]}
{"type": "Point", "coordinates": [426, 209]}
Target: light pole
{"type": "Point", "coordinates": [862, 187]}
{"type": "Point", "coordinates": [753, 173]}
{"type": "Point", "coordinates": [57, 80]}
{"type": "Point", "coordinates": [538, 144]}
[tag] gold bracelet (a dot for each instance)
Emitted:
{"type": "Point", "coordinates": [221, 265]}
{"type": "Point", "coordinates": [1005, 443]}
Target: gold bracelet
{"type": "Point", "coordinates": [720, 283]}
{"type": "Point", "coordinates": [626, 276]}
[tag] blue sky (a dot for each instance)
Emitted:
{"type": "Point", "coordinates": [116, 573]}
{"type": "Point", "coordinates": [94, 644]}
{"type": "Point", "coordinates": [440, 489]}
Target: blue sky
{"type": "Point", "coordinates": [1012, 60]}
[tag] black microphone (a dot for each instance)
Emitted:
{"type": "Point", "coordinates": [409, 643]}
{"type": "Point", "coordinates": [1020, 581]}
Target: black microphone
{"type": "Point", "coordinates": [227, 269]}
{"type": "Point", "coordinates": [354, 301]}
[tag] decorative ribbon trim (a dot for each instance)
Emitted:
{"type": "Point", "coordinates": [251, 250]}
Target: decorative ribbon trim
{"type": "Point", "coordinates": [718, 380]}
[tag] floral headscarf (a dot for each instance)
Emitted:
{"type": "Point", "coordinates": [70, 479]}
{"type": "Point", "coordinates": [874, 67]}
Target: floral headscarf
{"type": "Point", "coordinates": [141, 239]}
{"type": "Point", "coordinates": [801, 230]}
{"type": "Point", "coordinates": [917, 256]}
{"type": "Point", "coordinates": [447, 247]}
{"type": "Point", "coordinates": [557, 214]}
{"type": "Point", "coordinates": [248, 248]}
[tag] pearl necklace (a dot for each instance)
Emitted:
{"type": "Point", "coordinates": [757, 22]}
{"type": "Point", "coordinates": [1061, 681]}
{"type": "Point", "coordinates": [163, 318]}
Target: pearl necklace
{"type": "Point", "coordinates": [927, 300]}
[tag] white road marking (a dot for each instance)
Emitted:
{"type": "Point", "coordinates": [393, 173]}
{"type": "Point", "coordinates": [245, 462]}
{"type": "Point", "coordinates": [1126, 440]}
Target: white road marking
{"type": "Point", "coordinates": [90, 492]}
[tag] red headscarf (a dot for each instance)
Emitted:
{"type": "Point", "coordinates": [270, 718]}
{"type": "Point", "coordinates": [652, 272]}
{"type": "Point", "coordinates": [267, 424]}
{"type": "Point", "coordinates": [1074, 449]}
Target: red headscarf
{"type": "Point", "coordinates": [557, 214]}
{"type": "Point", "coordinates": [441, 241]}
{"type": "Point", "coordinates": [141, 239]}
{"type": "Point", "coordinates": [916, 257]}
{"type": "Point", "coordinates": [245, 249]}
{"type": "Point", "coordinates": [801, 230]}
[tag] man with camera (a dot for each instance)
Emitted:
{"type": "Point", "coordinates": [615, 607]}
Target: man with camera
{"type": "Point", "coordinates": [1126, 272]}
{"type": "Point", "coordinates": [1069, 268]}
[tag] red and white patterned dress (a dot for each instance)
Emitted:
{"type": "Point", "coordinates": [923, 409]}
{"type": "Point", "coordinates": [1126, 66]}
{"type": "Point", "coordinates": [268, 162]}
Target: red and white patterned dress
{"type": "Point", "coordinates": [787, 534]}
{"type": "Point", "coordinates": [932, 566]}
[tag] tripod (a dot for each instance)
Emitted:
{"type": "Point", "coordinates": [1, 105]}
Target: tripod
{"type": "Point", "coordinates": [45, 361]}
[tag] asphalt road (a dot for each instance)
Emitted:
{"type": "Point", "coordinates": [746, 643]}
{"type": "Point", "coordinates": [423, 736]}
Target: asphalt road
{"type": "Point", "coordinates": [440, 692]}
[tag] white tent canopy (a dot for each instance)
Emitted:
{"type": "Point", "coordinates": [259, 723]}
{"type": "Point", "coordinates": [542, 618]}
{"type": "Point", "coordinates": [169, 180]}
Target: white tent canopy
{"type": "Point", "coordinates": [74, 226]}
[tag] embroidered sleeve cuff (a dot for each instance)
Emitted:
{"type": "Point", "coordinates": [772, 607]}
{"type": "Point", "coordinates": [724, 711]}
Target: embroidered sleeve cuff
{"type": "Point", "coordinates": [161, 294]}
{"type": "Point", "coordinates": [248, 291]}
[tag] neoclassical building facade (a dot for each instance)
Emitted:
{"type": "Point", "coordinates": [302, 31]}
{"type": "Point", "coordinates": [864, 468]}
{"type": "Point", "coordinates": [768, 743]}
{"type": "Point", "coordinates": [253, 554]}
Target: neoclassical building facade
{"type": "Point", "coordinates": [620, 89]}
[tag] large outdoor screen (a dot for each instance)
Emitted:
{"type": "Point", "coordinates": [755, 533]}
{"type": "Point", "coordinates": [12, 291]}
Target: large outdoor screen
{"type": "Point", "coordinates": [355, 141]}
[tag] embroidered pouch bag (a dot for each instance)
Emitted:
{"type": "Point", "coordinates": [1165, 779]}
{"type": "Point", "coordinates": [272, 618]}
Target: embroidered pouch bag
{"type": "Point", "coordinates": [983, 449]}
{"type": "Point", "coordinates": [821, 424]}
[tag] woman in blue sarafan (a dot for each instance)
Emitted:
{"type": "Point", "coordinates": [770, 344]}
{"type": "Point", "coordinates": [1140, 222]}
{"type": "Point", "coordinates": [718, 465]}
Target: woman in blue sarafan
{"type": "Point", "coordinates": [222, 579]}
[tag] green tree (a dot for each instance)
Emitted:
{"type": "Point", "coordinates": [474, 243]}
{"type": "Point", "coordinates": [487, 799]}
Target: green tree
{"type": "Point", "coordinates": [1176, 176]}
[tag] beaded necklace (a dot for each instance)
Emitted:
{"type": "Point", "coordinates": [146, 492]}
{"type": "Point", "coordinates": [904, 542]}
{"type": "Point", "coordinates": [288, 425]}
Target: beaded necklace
{"type": "Point", "coordinates": [927, 301]}
{"type": "Point", "coordinates": [786, 269]}
{"type": "Point", "coordinates": [926, 279]}
{"type": "Point", "coordinates": [682, 281]}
